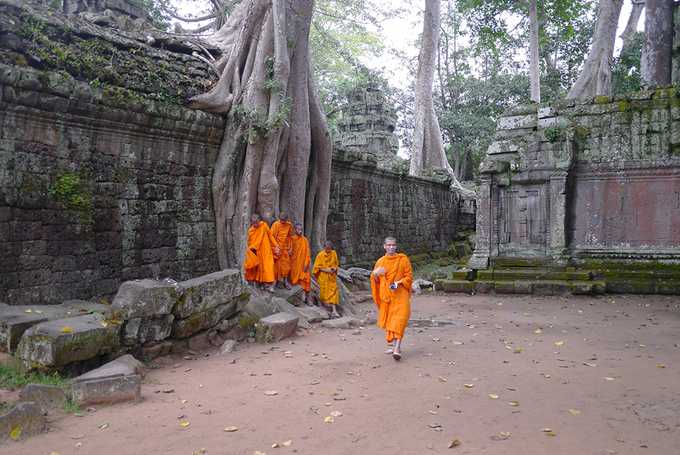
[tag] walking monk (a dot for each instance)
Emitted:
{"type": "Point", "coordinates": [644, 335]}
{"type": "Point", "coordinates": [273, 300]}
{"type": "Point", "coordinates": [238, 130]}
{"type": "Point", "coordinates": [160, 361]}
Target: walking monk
{"type": "Point", "coordinates": [300, 261]}
{"type": "Point", "coordinates": [259, 260]}
{"type": "Point", "coordinates": [391, 280]}
{"type": "Point", "coordinates": [282, 230]}
{"type": "Point", "coordinates": [325, 271]}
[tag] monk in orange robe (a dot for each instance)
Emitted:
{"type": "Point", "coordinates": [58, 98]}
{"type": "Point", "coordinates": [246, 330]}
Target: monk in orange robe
{"type": "Point", "coordinates": [300, 261]}
{"type": "Point", "coordinates": [282, 230]}
{"type": "Point", "coordinates": [259, 260]}
{"type": "Point", "coordinates": [391, 281]}
{"type": "Point", "coordinates": [326, 271]}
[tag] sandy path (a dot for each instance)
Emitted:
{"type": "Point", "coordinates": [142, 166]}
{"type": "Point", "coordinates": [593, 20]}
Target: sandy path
{"type": "Point", "coordinates": [390, 408]}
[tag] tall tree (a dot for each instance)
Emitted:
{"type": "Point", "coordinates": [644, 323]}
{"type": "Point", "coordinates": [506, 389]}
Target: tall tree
{"type": "Point", "coordinates": [655, 63]}
{"type": "Point", "coordinates": [534, 74]}
{"type": "Point", "coordinates": [276, 151]}
{"type": "Point", "coordinates": [428, 147]}
{"type": "Point", "coordinates": [629, 32]}
{"type": "Point", "coordinates": [596, 76]}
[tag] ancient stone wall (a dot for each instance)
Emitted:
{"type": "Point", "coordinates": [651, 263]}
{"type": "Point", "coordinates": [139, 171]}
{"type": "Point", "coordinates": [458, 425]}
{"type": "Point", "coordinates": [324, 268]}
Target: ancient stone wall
{"type": "Point", "coordinates": [583, 179]}
{"type": "Point", "coordinates": [367, 204]}
{"type": "Point", "coordinates": [92, 194]}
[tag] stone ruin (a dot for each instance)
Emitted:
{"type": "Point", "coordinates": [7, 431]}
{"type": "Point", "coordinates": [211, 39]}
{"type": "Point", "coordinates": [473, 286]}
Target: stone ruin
{"type": "Point", "coordinates": [581, 197]}
{"type": "Point", "coordinates": [366, 130]}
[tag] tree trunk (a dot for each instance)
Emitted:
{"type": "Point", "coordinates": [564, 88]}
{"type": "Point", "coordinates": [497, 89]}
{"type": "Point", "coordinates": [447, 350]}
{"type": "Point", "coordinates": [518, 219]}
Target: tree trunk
{"type": "Point", "coordinates": [596, 76]}
{"type": "Point", "coordinates": [534, 75]}
{"type": "Point", "coordinates": [428, 148]}
{"type": "Point", "coordinates": [631, 26]}
{"type": "Point", "coordinates": [275, 130]}
{"type": "Point", "coordinates": [655, 64]}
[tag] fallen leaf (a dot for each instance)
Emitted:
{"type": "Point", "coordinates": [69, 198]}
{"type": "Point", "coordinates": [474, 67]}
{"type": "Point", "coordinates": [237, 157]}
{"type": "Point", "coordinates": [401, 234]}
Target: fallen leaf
{"type": "Point", "coordinates": [55, 453]}
{"type": "Point", "coordinates": [607, 378]}
{"type": "Point", "coordinates": [458, 343]}
{"type": "Point", "coordinates": [28, 311]}
{"type": "Point", "coordinates": [275, 445]}
{"type": "Point", "coordinates": [513, 403]}
{"type": "Point", "coordinates": [103, 426]}
{"type": "Point", "coordinates": [230, 429]}
{"type": "Point", "coordinates": [660, 365]}
{"type": "Point", "coordinates": [435, 425]}
{"type": "Point", "coordinates": [434, 413]}
{"type": "Point", "coordinates": [15, 434]}
{"type": "Point", "coordinates": [517, 350]}
{"type": "Point", "coordinates": [257, 452]}
{"type": "Point", "coordinates": [538, 331]}
{"type": "Point", "coordinates": [574, 412]}
{"type": "Point", "coordinates": [469, 386]}
{"type": "Point", "coordinates": [199, 451]}
{"type": "Point", "coordinates": [493, 396]}
{"type": "Point", "coordinates": [502, 436]}
{"type": "Point", "coordinates": [78, 436]}
{"type": "Point", "coordinates": [588, 364]}
{"type": "Point", "coordinates": [336, 413]}
{"type": "Point", "coordinates": [442, 379]}
{"type": "Point", "coordinates": [549, 432]}
{"type": "Point", "coordinates": [287, 443]}
{"type": "Point", "coordinates": [104, 324]}
{"type": "Point", "coordinates": [67, 329]}
{"type": "Point", "coordinates": [184, 423]}
{"type": "Point", "coordinates": [328, 419]}
{"type": "Point", "coordinates": [79, 445]}
{"type": "Point", "coordinates": [454, 443]}
{"type": "Point", "coordinates": [271, 393]}
{"type": "Point", "coordinates": [168, 390]}
{"type": "Point", "coordinates": [559, 343]}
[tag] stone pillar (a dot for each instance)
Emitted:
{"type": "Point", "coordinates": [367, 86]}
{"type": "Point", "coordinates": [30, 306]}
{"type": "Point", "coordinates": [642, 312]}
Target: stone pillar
{"type": "Point", "coordinates": [558, 213]}
{"type": "Point", "coordinates": [480, 257]}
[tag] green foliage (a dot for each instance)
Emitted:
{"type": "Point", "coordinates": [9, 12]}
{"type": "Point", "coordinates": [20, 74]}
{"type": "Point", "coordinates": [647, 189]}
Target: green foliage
{"type": "Point", "coordinates": [72, 192]}
{"type": "Point", "coordinates": [71, 407]}
{"type": "Point", "coordinates": [13, 376]}
{"type": "Point", "coordinates": [626, 77]}
{"type": "Point", "coordinates": [553, 133]}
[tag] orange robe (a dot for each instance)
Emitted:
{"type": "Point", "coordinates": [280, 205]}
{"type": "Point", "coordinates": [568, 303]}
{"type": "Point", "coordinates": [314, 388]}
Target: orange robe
{"type": "Point", "coordinates": [282, 232]}
{"type": "Point", "coordinates": [300, 263]}
{"type": "Point", "coordinates": [328, 286]}
{"type": "Point", "coordinates": [394, 306]}
{"type": "Point", "coordinates": [259, 264]}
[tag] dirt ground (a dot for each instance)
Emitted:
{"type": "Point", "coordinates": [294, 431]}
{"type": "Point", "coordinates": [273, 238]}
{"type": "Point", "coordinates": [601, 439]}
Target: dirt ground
{"type": "Point", "coordinates": [511, 375]}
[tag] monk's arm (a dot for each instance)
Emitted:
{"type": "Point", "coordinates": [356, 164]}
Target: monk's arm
{"type": "Point", "coordinates": [406, 274]}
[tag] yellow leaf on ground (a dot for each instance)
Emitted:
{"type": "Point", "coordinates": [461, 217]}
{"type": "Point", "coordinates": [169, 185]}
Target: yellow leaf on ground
{"type": "Point", "coordinates": [28, 311]}
{"type": "Point", "coordinates": [67, 329]}
{"type": "Point", "coordinates": [287, 443]}
{"type": "Point", "coordinates": [454, 443]}
{"type": "Point", "coordinates": [549, 432]}
{"type": "Point", "coordinates": [517, 350]}
{"type": "Point", "coordinates": [336, 413]}
{"type": "Point", "coordinates": [271, 393]}
{"type": "Point", "coordinates": [184, 423]}
{"type": "Point", "coordinates": [442, 379]}
{"type": "Point", "coordinates": [329, 419]}
{"type": "Point", "coordinates": [559, 343]}
{"type": "Point", "coordinates": [15, 434]}
{"type": "Point", "coordinates": [574, 412]}
{"type": "Point", "coordinates": [538, 331]}
{"type": "Point", "coordinates": [231, 429]}
{"type": "Point", "coordinates": [493, 396]}
{"type": "Point", "coordinates": [660, 365]}
{"type": "Point", "coordinates": [607, 378]}
{"type": "Point", "coordinates": [275, 445]}
{"type": "Point", "coordinates": [513, 403]}
{"type": "Point", "coordinates": [469, 386]}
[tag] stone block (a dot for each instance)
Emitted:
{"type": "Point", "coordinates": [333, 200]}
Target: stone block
{"type": "Point", "coordinates": [209, 291]}
{"type": "Point", "coordinates": [197, 322]}
{"type": "Point", "coordinates": [455, 286]}
{"type": "Point", "coordinates": [228, 346]}
{"type": "Point", "coordinates": [146, 298]}
{"type": "Point", "coordinates": [154, 350]}
{"type": "Point", "coordinates": [25, 419]}
{"type": "Point", "coordinates": [260, 307]}
{"type": "Point", "coordinates": [312, 313]}
{"type": "Point", "coordinates": [295, 295]}
{"type": "Point", "coordinates": [517, 121]}
{"type": "Point", "coordinates": [276, 327]}
{"type": "Point", "coordinates": [16, 319]}
{"type": "Point", "coordinates": [143, 330]}
{"type": "Point", "coordinates": [48, 397]}
{"type": "Point", "coordinates": [54, 344]}
{"type": "Point", "coordinates": [107, 389]}
{"type": "Point", "coordinates": [344, 322]}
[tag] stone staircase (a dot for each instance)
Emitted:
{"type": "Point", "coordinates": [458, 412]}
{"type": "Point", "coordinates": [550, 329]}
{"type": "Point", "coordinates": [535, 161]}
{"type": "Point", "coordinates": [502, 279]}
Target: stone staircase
{"type": "Point", "coordinates": [524, 276]}
{"type": "Point", "coordinates": [536, 276]}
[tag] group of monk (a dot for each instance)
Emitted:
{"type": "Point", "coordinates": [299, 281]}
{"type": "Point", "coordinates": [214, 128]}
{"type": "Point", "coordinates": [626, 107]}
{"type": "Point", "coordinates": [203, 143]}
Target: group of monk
{"type": "Point", "coordinates": [281, 256]}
